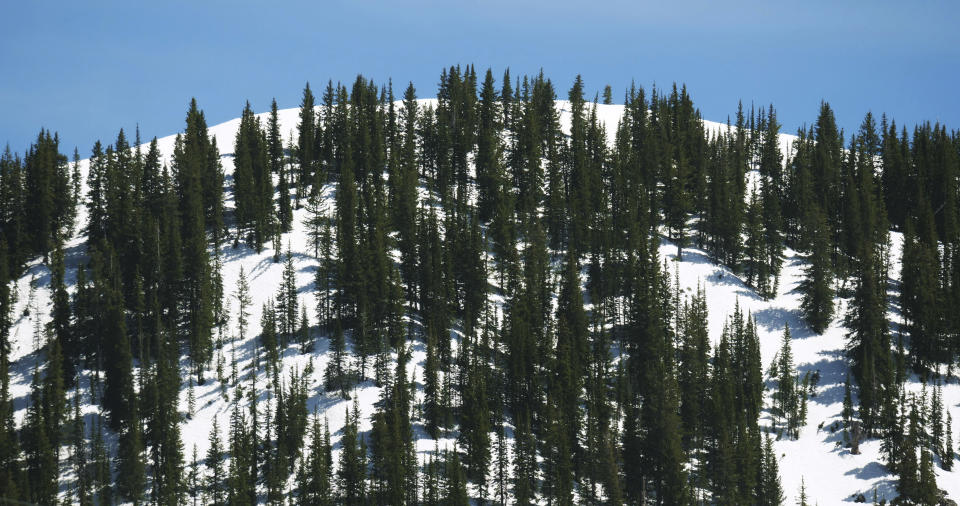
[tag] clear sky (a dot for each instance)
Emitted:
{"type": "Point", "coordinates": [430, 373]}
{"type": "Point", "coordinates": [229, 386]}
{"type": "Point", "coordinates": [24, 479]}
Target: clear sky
{"type": "Point", "coordinates": [86, 69]}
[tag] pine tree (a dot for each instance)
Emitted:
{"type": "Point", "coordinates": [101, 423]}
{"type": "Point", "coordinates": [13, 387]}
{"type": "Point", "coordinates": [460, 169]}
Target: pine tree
{"type": "Point", "coordinates": [802, 498]}
{"type": "Point", "coordinates": [316, 487]}
{"type": "Point", "coordinates": [788, 398]}
{"type": "Point", "coordinates": [756, 261]}
{"type": "Point", "coordinates": [908, 467]}
{"type": "Point", "coordinates": [455, 493]}
{"type": "Point", "coordinates": [770, 490]}
{"type": "Point", "coordinates": [54, 394]}
{"type": "Point", "coordinates": [102, 491]}
{"type": "Point", "coordinates": [607, 95]}
{"type": "Point", "coordinates": [816, 287]}
{"type": "Point", "coordinates": [693, 371]}
{"type": "Point", "coordinates": [392, 441]}
{"type": "Point", "coordinates": [114, 342]}
{"type": "Point", "coordinates": [303, 331]}
{"type": "Point", "coordinates": [199, 187]}
{"type": "Point", "coordinates": [315, 222]}
{"type": "Point", "coordinates": [927, 493]}
{"type": "Point", "coordinates": [919, 293]}
{"type": "Point", "coordinates": [47, 187]}
{"type": "Point", "coordinates": [163, 432]}
{"type": "Point", "coordinates": [336, 375]}
{"type": "Point", "coordinates": [475, 419]}
{"type": "Point", "coordinates": [130, 465]}
{"type": "Point", "coordinates": [60, 324]}
{"type": "Point", "coordinates": [351, 473]}
{"type": "Point", "coordinates": [771, 189]}
{"type": "Point", "coordinates": [78, 455]}
{"type": "Point", "coordinates": [193, 478]}
{"type": "Point", "coordinates": [287, 301]}
{"type": "Point", "coordinates": [41, 457]}
{"type": "Point", "coordinates": [431, 380]}
{"type": "Point", "coordinates": [948, 452]}
{"type": "Point", "coordinates": [305, 145]}
{"type": "Point", "coordinates": [214, 464]}
{"type": "Point", "coordinates": [244, 191]}
{"type": "Point", "coordinates": [243, 302]}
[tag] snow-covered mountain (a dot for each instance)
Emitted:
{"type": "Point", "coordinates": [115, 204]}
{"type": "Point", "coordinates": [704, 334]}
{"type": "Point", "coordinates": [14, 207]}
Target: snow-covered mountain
{"type": "Point", "coordinates": [832, 475]}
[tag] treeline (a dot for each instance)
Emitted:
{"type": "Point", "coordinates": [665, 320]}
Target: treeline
{"type": "Point", "coordinates": [525, 262]}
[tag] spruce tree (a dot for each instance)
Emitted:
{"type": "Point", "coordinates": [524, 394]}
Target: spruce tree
{"type": "Point", "coordinates": [130, 465]}
{"type": "Point", "coordinates": [316, 488]}
{"type": "Point", "coordinates": [352, 471]}
{"type": "Point", "coordinates": [787, 398]}
{"type": "Point", "coordinates": [99, 466]}
{"type": "Point", "coordinates": [771, 492]}
{"type": "Point", "coordinates": [307, 130]}
{"type": "Point", "coordinates": [214, 464]}
{"type": "Point", "coordinates": [817, 302]}
{"type": "Point", "coordinates": [41, 457]}
{"type": "Point", "coordinates": [199, 186]}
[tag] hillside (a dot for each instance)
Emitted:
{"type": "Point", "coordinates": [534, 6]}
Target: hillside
{"type": "Point", "coordinates": [830, 472]}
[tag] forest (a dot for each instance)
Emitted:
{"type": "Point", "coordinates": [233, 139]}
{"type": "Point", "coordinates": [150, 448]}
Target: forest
{"type": "Point", "coordinates": [496, 274]}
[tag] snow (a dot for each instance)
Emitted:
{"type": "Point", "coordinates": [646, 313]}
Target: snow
{"type": "Point", "coordinates": [831, 473]}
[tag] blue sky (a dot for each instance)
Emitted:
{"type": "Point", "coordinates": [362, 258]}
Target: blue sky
{"type": "Point", "coordinates": [88, 69]}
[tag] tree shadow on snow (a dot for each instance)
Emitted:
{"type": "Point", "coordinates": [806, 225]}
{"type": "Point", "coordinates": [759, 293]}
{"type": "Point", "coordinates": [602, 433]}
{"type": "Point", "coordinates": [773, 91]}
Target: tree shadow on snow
{"type": "Point", "coordinates": [772, 319]}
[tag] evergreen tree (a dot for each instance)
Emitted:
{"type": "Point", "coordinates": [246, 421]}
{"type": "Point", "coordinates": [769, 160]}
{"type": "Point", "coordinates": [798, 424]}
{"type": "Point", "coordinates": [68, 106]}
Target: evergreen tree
{"type": "Point", "coordinates": [130, 465]}
{"type": "Point", "coordinates": [163, 431]}
{"type": "Point", "coordinates": [802, 498]}
{"type": "Point", "coordinates": [41, 457]}
{"type": "Point", "coordinates": [214, 464]}
{"type": "Point", "coordinates": [60, 324]}
{"type": "Point", "coordinates": [47, 187]}
{"type": "Point", "coordinates": [352, 471]}
{"type": "Point", "coordinates": [789, 397]}
{"type": "Point", "coordinates": [756, 257]}
{"type": "Point", "coordinates": [287, 302]}
{"type": "Point", "coordinates": [316, 487]}
{"type": "Point", "coordinates": [243, 303]}
{"type": "Point", "coordinates": [771, 492]}
{"type": "Point", "coordinates": [394, 458]}
{"type": "Point", "coordinates": [199, 186]}
{"type": "Point", "coordinates": [307, 129]}
{"type": "Point", "coordinates": [102, 491]}
{"type": "Point", "coordinates": [693, 371]}
{"type": "Point", "coordinates": [948, 452]}
{"type": "Point", "coordinates": [816, 287]}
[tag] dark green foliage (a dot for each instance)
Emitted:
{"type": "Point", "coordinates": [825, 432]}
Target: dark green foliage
{"type": "Point", "coordinates": [46, 183]}
{"type": "Point", "coordinates": [305, 145]}
{"type": "Point", "coordinates": [694, 369]}
{"type": "Point", "coordinates": [12, 479]}
{"type": "Point", "coordinates": [288, 302]}
{"type": "Point", "coordinates": [770, 491]}
{"type": "Point", "coordinates": [253, 160]}
{"type": "Point", "coordinates": [917, 479]}
{"type": "Point", "coordinates": [41, 459]}
{"type": "Point", "coordinates": [816, 287]}
{"type": "Point", "coordinates": [130, 462]}
{"type": "Point", "coordinates": [351, 474]}
{"type": "Point", "coordinates": [791, 395]}
{"type": "Point", "coordinates": [316, 487]}
{"type": "Point", "coordinates": [428, 198]}
{"type": "Point", "coordinates": [391, 442]}
{"type": "Point", "coordinates": [60, 325]}
{"type": "Point", "coordinates": [215, 486]}
{"type": "Point", "coordinates": [163, 429]}
{"type": "Point", "coordinates": [102, 492]}
{"type": "Point", "coordinates": [199, 187]}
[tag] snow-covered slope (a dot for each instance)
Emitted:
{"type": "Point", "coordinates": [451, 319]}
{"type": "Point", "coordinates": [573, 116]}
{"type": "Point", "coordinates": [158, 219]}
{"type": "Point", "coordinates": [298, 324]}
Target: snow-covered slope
{"type": "Point", "coordinates": [831, 473]}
